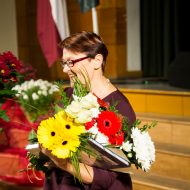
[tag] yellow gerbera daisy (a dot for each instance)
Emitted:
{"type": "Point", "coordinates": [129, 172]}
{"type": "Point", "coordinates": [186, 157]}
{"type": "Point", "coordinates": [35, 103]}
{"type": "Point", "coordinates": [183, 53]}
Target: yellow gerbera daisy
{"type": "Point", "coordinates": [47, 133]}
{"type": "Point", "coordinates": [69, 133]}
{"type": "Point", "coordinates": [61, 114]}
{"type": "Point", "coordinates": [68, 126]}
{"type": "Point", "coordinates": [59, 134]}
{"type": "Point", "coordinates": [66, 147]}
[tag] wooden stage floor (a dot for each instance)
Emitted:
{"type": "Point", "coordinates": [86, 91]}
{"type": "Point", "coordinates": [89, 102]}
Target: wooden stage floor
{"type": "Point", "coordinates": [149, 84]}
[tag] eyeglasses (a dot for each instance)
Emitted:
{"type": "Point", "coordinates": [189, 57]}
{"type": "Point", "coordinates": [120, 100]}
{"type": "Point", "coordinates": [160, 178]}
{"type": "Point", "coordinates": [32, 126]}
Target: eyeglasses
{"type": "Point", "coordinates": [70, 63]}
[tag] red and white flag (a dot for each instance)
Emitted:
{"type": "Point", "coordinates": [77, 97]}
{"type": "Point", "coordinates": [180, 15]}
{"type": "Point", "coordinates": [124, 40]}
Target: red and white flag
{"type": "Point", "coordinates": [52, 27]}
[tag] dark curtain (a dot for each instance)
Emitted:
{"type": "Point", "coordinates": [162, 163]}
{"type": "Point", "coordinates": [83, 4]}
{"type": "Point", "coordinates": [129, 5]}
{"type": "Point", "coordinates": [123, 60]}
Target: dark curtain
{"type": "Point", "coordinates": [159, 36]}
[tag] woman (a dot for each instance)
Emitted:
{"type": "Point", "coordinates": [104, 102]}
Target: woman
{"type": "Point", "coordinates": [85, 51]}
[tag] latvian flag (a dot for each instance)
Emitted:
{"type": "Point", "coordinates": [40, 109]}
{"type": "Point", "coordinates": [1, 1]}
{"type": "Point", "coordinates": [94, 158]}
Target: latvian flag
{"type": "Point", "coordinates": [52, 27]}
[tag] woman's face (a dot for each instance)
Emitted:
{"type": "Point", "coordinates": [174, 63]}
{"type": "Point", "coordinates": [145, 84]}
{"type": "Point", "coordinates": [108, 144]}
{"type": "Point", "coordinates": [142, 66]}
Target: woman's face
{"type": "Point", "coordinates": [85, 66]}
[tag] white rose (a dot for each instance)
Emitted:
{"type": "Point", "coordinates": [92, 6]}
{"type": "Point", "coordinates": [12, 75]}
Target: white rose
{"type": "Point", "coordinates": [73, 109]}
{"type": "Point", "coordinates": [89, 101]}
{"type": "Point", "coordinates": [95, 112]}
{"type": "Point", "coordinates": [76, 98]}
{"type": "Point", "coordinates": [83, 116]}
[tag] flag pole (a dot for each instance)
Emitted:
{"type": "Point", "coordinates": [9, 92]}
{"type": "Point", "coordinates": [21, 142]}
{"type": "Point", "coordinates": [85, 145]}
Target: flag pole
{"type": "Point", "coordinates": [95, 21]}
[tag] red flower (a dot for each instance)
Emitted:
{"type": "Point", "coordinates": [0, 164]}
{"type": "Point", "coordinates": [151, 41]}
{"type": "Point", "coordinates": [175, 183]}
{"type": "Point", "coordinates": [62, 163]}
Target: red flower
{"type": "Point", "coordinates": [11, 61]}
{"type": "Point", "coordinates": [102, 103]}
{"type": "Point", "coordinates": [28, 72]}
{"type": "Point", "coordinates": [117, 139]}
{"type": "Point", "coordinates": [112, 139]}
{"type": "Point", "coordinates": [4, 70]}
{"type": "Point", "coordinates": [108, 123]}
{"type": "Point", "coordinates": [90, 124]}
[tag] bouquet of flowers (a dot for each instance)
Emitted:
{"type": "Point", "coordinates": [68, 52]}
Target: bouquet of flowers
{"type": "Point", "coordinates": [67, 133]}
{"type": "Point", "coordinates": [36, 97]}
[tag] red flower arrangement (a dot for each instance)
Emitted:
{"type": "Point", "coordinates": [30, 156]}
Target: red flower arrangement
{"type": "Point", "coordinates": [12, 72]}
{"type": "Point", "coordinates": [14, 126]}
{"type": "Point", "coordinates": [9, 67]}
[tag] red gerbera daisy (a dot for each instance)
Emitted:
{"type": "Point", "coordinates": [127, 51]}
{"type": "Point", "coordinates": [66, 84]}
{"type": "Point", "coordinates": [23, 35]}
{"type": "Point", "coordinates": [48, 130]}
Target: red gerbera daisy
{"type": "Point", "coordinates": [112, 139]}
{"type": "Point", "coordinates": [108, 123]}
{"type": "Point", "coordinates": [117, 139]}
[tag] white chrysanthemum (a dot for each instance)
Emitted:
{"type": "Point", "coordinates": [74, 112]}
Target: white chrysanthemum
{"type": "Point", "coordinates": [44, 92]}
{"type": "Point", "coordinates": [126, 146]}
{"type": "Point", "coordinates": [25, 97]}
{"type": "Point", "coordinates": [34, 96]}
{"type": "Point", "coordinates": [16, 87]}
{"type": "Point", "coordinates": [53, 88]}
{"type": "Point", "coordinates": [144, 148]}
{"type": "Point", "coordinates": [39, 92]}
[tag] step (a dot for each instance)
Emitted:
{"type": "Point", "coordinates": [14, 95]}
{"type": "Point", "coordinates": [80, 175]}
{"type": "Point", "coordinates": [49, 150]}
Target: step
{"type": "Point", "coordinates": [158, 101]}
{"type": "Point", "coordinates": [172, 161]}
{"type": "Point", "coordinates": [147, 181]}
{"type": "Point", "coordinates": [169, 129]}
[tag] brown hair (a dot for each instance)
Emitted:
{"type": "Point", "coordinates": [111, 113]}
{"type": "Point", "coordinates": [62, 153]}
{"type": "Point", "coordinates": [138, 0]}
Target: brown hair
{"type": "Point", "coordinates": [86, 42]}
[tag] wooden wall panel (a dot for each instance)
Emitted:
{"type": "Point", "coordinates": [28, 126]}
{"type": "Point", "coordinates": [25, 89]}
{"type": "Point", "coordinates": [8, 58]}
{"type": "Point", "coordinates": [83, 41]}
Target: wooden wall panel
{"type": "Point", "coordinates": [28, 46]}
{"type": "Point", "coordinates": [112, 28]}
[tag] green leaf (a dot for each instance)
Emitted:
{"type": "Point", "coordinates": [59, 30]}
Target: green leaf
{"type": "Point", "coordinates": [3, 115]}
{"type": "Point", "coordinates": [32, 137]}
